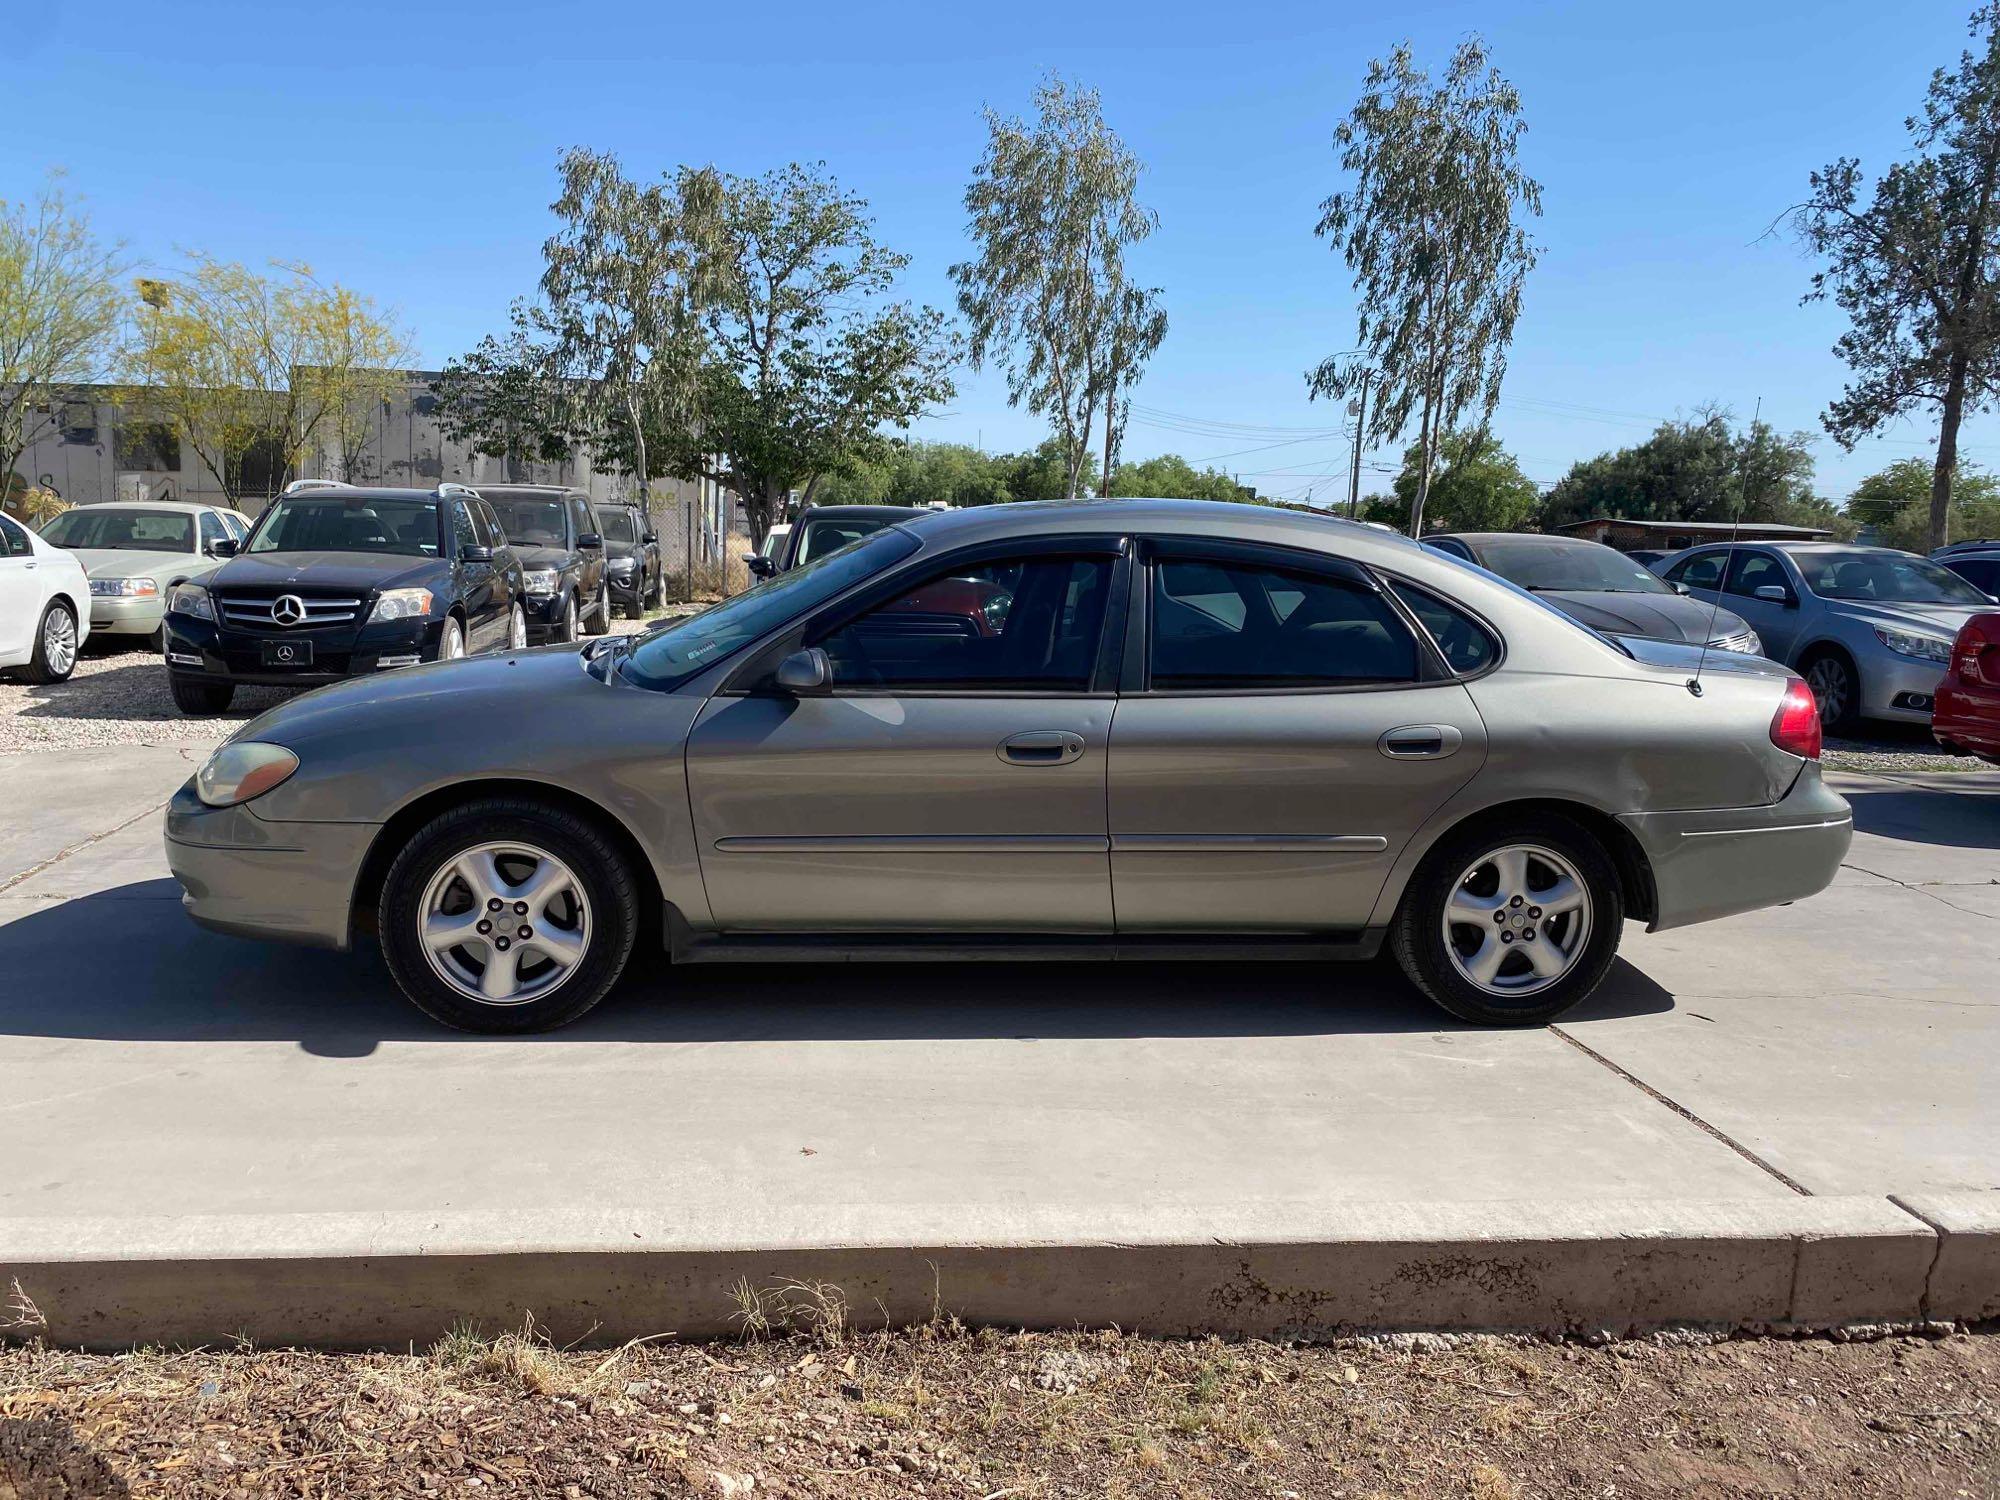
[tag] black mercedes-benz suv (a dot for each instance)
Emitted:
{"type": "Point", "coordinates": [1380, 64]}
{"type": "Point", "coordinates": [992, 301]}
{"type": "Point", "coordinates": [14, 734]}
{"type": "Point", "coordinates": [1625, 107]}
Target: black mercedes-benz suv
{"type": "Point", "coordinates": [334, 581]}
{"type": "Point", "coordinates": [557, 534]}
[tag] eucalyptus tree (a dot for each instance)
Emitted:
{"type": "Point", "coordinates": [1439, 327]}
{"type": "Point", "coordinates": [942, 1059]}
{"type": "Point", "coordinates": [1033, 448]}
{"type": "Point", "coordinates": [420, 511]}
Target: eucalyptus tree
{"type": "Point", "coordinates": [1917, 267]}
{"type": "Point", "coordinates": [1052, 209]}
{"type": "Point", "coordinates": [1429, 228]}
{"type": "Point", "coordinates": [504, 398]}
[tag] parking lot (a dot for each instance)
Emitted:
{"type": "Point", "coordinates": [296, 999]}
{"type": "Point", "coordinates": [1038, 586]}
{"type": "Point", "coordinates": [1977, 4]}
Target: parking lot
{"type": "Point", "coordinates": [1842, 1048]}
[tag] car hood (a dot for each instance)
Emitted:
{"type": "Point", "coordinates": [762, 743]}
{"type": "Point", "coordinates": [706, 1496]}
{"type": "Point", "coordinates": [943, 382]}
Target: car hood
{"type": "Point", "coordinates": [353, 570]}
{"type": "Point", "coordinates": [544, 557]}
{"type": "Point", "coordinates": [1658, 617]}
{"type": "Point", "coordinates": [129, 562]}
{"type": "Point", "coordinates": [1938, 619]}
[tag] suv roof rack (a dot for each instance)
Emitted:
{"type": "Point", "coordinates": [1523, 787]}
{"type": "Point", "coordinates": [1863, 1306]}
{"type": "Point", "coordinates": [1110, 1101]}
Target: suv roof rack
{"type": "Point", "coordinates": [297, 486]}
{"type": "Point", "coordinates": [453, 487]}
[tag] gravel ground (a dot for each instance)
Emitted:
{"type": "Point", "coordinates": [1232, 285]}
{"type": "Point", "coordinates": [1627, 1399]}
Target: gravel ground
{"type": "Point", "coordinates": [950, 1415]}
{"type": "Point", "coordinates": [118, 696]}
{"type": "Point", "coordinates": [1895, 747]}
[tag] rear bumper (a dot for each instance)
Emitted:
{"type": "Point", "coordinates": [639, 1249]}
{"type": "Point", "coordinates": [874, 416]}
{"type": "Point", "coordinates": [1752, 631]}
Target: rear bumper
{"type": "Point", "coordinates": [1721, 861]}
{"type": "Point", "coordinates": [1967, 717]}
{"type": "Point", "coordinates": [284, 882]}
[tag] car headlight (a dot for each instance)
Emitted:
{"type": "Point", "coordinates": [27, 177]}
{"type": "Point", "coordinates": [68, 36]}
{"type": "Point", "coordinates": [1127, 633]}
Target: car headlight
{"type": "Point", "coordinates": [1923, 647]}
{"type": "Point", "coordinates": [623, 564]}
{"type": "Point", "coordinates": [243, 770]}
{"type": "Point", "coordinates": [402, 604]}
{"type": "Point", "coordinates": [124, 588]}
{"type": "Point", "coordinates": [191, 599]}
{"type": "Point", "coordinates": [540, 581]}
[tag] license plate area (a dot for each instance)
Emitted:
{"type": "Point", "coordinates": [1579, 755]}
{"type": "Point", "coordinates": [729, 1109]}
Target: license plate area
{"type": "Point", "coordinates": [282, 654]}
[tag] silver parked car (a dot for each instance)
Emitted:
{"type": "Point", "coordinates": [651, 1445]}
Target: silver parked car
{"type": "Point", "coordinates": [137, 552]}
{"type": "Point", "coordinates": [1120, 728]}
{"type": "Point", "coordinates": [1870, 628]}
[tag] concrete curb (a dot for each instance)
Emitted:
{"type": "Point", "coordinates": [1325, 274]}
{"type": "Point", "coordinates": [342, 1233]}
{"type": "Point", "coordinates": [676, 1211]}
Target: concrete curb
{"type": "Point", "coordinates": [1249, 1270]}
{"type": "Point", "coordinates": [1965, 1281]}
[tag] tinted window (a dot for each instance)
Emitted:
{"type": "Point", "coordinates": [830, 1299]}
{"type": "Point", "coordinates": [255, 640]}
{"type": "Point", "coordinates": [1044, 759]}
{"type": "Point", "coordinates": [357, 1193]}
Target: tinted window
{"type": "Point", "coordinates": [1237, 625]}
{"type": "Point", "coordinates": [1466, 645]}
{"type": "Point", "coordinates": [13, 540]}
{"type": "Point", "coordinates": [678, 650]}
{"type": "Point", "coordinates": [1701, 572]}
{"type": "Point", "coordinates": [1752, 571]}
{"type": "Point", "coordinates": [211, 528]}
{"type": "Point", "coordinates": [619, 525]}
{"type": "Point", "coordinates": [1451, 548]}
{"type": "Point", "coordinates": [122, 528]}
{"type": "Point", "coordinates": [331, 522]}
{"type": "Point", "coordinates": [463, 533]}
{"type": "Point", "coordinates": [583, 518]}
{"type": "Point", "coordinates": [531, 523]}
{"type": "Point", "coordinates": [1567, 565]}
{"type": "Point", "coordinates": [1981, 572]}
{"type": "Point", "coordinates": [482, 525]}
{"type": "Point", "coordinates": [1863, 573]}
{"type": "Point", "coordinates": [1017, 624]}
{"type": "Point", "coordinates": [833, 533]}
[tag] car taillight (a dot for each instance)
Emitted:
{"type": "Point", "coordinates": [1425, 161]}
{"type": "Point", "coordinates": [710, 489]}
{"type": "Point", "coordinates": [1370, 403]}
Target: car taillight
{"type": "Point", "coordinates": [1975, 655]}
{"type": "Point", "coordinates": [1795, 726]}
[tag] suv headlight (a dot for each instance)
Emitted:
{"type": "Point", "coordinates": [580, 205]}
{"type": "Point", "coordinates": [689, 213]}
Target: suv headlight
{"type": "Point", "coordinates": [124, 588]}
{"type": "Point", "coordinates": [191, 599]}
{"type": "Point", "coordinates": [402, 604]}
{"type": "Point", "coordinates": [540, 581]}
{"type": "Point", "coordinates": [623, 564]}
{"type": "Point", "coordinates": [243, 770]}
{"type": "Point", "coordinates": [1923, 647]}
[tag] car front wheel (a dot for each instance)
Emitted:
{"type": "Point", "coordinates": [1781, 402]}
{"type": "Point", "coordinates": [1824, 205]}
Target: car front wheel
{"type": "Point", "coordinates": [600, 614]}
{"type": "Point", "coordinates": [1836, 690]}
{"type": "Point", "coordinates": [506, 915]}
{"type": "Point", "coordinates": [566, 631]}
{"type": "Point", "coordinates": [1512, 922]}
{"type": "Point", "coordinates": [193, 696]}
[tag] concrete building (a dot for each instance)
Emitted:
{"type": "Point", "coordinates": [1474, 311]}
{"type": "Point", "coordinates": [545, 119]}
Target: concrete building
{"type": "Point", "coordinates": [1671, 536]}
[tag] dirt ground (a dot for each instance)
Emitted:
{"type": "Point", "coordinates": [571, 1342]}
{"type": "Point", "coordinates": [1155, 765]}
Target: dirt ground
{"type": "Point", "coordinates": [820, 1410]}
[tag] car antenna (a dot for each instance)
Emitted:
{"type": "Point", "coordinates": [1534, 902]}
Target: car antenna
{"type": "Point", "coordinates": [1728, 559]}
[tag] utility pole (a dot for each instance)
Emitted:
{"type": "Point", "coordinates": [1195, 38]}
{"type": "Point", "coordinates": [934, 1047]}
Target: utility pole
{"type": "Point", "coordinates": [1360, 426]}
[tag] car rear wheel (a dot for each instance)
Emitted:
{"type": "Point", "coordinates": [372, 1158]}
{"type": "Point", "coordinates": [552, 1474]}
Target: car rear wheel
{"type": "Point", "coordinates": [1836, 688]}
{"type": "Point", "coordinates": [508, 916]}
{"type": "Point", "coordinates": [451, 645]}
{"type": "Point", "coordinates": [1512, 922]}
{"type": "Point", "coordinates": [193, 696]}
{"type": "Point", "coordinates": [55, 645]}
{"type": "Point", "coordinates": [600, 616]}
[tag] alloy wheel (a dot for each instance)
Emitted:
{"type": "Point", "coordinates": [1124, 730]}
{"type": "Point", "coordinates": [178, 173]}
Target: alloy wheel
{"type": "Point", "coordinates": [1518, 920]}
{"type": "Point", "coordinates": [1827, 678]}
{"type": "Point", "coordinates": [504, 923]}
{"type": "Point", "coordinates": [453, 645]}
{"type": "Point", "coordinates": [517, 629]}
{"type": "Point", "coordinates": [59, 642]}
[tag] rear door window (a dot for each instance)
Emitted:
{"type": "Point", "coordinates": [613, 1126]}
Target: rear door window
{"type": "Point", "coordinates": [1225, 624]}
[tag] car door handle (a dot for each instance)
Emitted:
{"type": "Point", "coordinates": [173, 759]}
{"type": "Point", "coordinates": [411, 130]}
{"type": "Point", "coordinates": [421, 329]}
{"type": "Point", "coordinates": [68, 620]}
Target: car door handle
{"type": "Point", "coordinates": [1420, 742]}
{"type": "Point", "coordinates": [1041, 747]}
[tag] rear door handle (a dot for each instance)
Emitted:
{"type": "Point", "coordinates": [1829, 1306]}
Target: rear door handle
{"type": "Point", "coordinates": [1420, 742]}
{"type": "Point", "coordinates": [1041, 747]}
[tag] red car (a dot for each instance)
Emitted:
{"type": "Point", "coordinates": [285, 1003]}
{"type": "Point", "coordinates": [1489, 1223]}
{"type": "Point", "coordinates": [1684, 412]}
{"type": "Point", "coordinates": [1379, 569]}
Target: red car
{"type": "Point", "coordinates": [1967, 716]}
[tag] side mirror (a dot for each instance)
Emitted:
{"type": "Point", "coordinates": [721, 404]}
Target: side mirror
{"type": "Point", "coordinates": [805, 674]}
{"type": "Point", "coordinates": [761, 567]}
{"type": "Point", "coordinates": [475, 553]}
{"type": "Point", "coordinates": [223, 547]}
{"type": "Point", "coordinates": [651, 539]}
{"type": "Point", "coordinates": [1682, 589]}
{"type": "Point", "coordinates": [1772, 593]}
{"type": "Point", "coordinates": [590, 541]}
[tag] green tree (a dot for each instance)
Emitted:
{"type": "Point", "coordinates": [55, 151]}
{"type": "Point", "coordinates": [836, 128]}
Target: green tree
{"type": "Point", "coordinates": [1044, 472]}
{"type": "Point", "coordinates": [61, 306]}
{"type": "Point", "coordinates": [918, 473]}
{"type": "Point", "coordinates": [1479, 488]}
{"type": "Point", "coordinates": [1896, 501]}
{"type": "Point", "coordinates": [1917, 268]}
{"type": "Point", "coordinates": [1428, 229]}
{"type": "Point", "coordinates": [1171, 477]}
{"type": "Point", "coordinates": [1053, 209]}
{"type": "Point", "coordinates": [504, 398]}
{"type": "Point", "coordinates": [1698, 469]}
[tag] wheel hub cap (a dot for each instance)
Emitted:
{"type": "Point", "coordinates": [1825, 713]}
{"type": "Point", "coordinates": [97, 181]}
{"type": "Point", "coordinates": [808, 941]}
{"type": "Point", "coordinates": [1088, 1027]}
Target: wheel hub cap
{"type": "Point", "coordinates": [59, 642]}
{"type": "Point", "coordinates": [504, 923]}
{"type": "Point", "coordinates": [1518, 920]}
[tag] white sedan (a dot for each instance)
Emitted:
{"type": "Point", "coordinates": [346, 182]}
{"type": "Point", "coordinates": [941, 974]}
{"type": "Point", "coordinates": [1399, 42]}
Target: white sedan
{"type": "Point", "coordinates": [44, 605]}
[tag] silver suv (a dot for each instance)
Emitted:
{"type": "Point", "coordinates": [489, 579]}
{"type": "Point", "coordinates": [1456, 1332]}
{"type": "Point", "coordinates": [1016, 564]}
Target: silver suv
{"type": "Point", "coordinates": [1869, 628]}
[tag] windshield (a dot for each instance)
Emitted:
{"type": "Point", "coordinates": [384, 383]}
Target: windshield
{"type": "Point", "coordinates": [531, 523]}
{"type": "Point", "coordinates": [1883, 576]}
{"type": "Point", "coordinates": [126, 530]}
{"type": "Point", "coordinates": [618, 525]}
{"type": "Point", "coordinates": [835, 532]}
{"type": "Point", "coordinates": [670, 655]}
{"type": "Point", "coordinates": [1583, 567]}
{"type": "Point", "coordinates": [333, 522]}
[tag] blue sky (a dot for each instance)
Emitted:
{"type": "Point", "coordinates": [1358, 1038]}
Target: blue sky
{"type": "Point", "coordinates": [408, 150]}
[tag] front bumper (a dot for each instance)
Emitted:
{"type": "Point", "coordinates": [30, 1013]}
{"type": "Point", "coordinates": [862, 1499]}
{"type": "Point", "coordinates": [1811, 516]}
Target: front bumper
{"type": "Point", "coordinates": [545, 613]}
{"type": "Point", "coordinates": [241, 875]}
{"type": "Point", "coordinates": [626, 589]}
{"type": "Point", "coordinates": [1889, 679]}
{"type": "Point", "coordinates": [1721, 861]}
{"type": "Point", "coordinates": [112, 614]}
{"type": "Point", "coordinates": [199, 649]}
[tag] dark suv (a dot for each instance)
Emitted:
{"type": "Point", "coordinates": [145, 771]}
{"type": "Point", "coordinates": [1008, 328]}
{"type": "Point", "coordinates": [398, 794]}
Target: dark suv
{"type": "Point", "coordinates": [631, 557]}
{"type": "Point", "coordinates": [821, 529]}
{"type": "Point", "coordinates": [561, 546]}
{"type": "Point", "coordinates": [334, 581]}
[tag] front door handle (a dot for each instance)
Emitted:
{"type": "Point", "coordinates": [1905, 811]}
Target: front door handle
{"type": "Point", "coordinates": [1420, 742]}
{"type": "Point", "coordinates": [1041, 747]}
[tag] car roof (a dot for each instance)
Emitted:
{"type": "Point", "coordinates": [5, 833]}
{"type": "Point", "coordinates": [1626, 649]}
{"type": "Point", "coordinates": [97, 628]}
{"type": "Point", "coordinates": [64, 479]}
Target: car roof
{"type": "Point", "coordinates": [184, 507]}
{"type": "Point", "coordinates": [359, 492]}
{"type": "Point", "coordinates": [1221, 519]}
{"type": "Point", "coordinates": [841, 512]}
{"type": "Point", "coordinates": [530, 489]}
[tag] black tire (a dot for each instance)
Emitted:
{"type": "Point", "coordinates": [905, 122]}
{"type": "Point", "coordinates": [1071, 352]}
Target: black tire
{"type": "Point", "coordinates": [599, 868]}
{"type": "Point", "coordinates": [1837, 692]}
{"type": "Point", "coordinates": [193, 696]}
{"type": "Point", "coordinates": [600, 617]}
{"type": "Point", "coordinates": [636, 610]}
{"type": "Point", "coordinates": [40, 670]}
{"type": "Point", "coordinates": [566, 628]}
{"type": "Point", "coordinates": [1418, 935]}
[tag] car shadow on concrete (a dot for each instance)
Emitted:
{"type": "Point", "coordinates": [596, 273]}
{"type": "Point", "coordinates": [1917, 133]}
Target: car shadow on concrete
{"type": "Point", "coordinates": [126, 965]}
{"type": "Point", "coordinates": [1936, 812]}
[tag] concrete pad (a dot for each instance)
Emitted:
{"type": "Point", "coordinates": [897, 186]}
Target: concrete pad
{"type": "Point", "coordinates": [1936, 830]}
{"type": "Point", "coordinates": [57, 800]}
{"type": "Point", "coordinates": [1259, 1269]}
{"type": "Point", "coordinates": [1965, 1282]}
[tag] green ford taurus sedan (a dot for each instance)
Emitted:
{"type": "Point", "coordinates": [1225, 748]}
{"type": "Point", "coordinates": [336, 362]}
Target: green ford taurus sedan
{"type": "Point", "coordinates": [1099, 729]}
